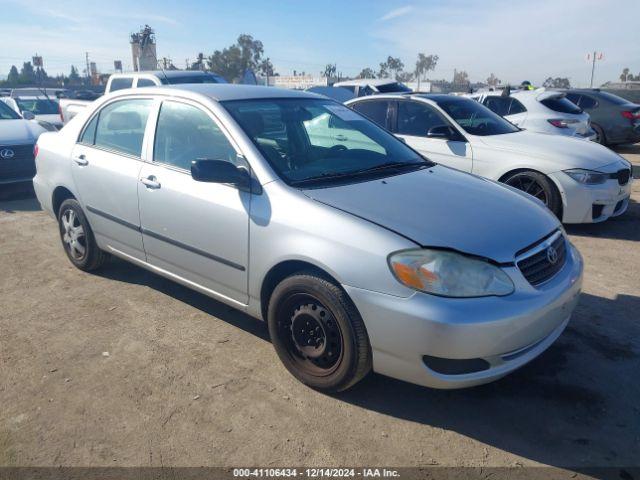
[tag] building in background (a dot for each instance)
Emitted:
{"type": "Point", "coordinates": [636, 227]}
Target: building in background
{"type": "Point", "coordinates": [299, 82]}
{"type": "Point", "coordinates": [143, 49]}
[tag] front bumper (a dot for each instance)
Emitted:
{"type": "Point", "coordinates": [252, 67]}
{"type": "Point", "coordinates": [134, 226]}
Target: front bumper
{"type": "Point", "coordinates": [503, 332]}
{"type": "Point", "coordinates": [591, 203]}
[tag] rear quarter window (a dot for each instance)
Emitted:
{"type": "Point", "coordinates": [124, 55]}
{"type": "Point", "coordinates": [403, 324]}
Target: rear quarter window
{"type": "Point", "coordinates": [561, 104]}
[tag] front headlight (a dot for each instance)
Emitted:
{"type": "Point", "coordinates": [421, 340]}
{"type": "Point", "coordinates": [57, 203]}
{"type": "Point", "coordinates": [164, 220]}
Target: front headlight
{"type": "Point", "coordinates": [449, 274]}
{"type": "Point", "coordinates": [587, 177]}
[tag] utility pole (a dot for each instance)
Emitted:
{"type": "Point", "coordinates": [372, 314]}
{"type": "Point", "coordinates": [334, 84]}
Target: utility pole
{"type": "Point", "coordinates": [596, 56]}
{"type": "Point", "coordinates": [86, 57]}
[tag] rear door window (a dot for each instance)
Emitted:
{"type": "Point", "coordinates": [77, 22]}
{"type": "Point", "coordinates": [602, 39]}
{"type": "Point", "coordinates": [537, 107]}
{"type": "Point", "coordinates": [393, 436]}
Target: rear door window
{"type": "Point", "coordinates": [516, 107]}
{"type": "Point", "coordinates": [374, 110]}
{"type": "Point", "coordinates": [121, 83]}
{"type": "Point", "coordinates": [121, 126]}
{"type": "Point", "coordinates": [499, 105]}
{"type": "Point", "coordinates": [145, 82]}
{"type": "Point", "coordinates": [587, 102]}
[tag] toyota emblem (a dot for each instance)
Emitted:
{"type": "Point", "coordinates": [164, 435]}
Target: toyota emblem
{"type": "Point", "coordinates": [552, 255]}
{"type": "Point", "coordinates": [6, 153]}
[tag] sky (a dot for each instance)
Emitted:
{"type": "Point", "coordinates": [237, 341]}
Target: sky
{"type": "Point", "coordinates": [516, 40]}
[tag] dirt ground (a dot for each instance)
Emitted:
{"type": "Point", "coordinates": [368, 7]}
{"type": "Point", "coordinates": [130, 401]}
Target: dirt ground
{"type": "Point", "coordinates": [188, 381]}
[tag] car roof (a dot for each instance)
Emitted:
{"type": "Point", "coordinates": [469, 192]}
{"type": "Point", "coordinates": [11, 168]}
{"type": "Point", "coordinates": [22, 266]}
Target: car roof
{"type": "Point", "coordinates": [221, 92]}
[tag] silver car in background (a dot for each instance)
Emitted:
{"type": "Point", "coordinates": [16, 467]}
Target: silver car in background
{"type": "Point", "coordinates": [359, 253]}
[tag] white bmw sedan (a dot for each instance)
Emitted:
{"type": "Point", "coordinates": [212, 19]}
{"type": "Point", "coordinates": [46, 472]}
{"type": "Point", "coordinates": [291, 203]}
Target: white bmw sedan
{"type": "Point", "coordinates": [359, 256]}
{"type": "Point", "coordinates": [579, 181]}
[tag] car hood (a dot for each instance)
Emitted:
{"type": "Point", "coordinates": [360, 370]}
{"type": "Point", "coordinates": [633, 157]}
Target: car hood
{"type": "Point", "coordinates": [19, 132]}
{"type": "Point", "coordinates": [442, 207]}
{"type": "Point", "coordinates": [565, 151]}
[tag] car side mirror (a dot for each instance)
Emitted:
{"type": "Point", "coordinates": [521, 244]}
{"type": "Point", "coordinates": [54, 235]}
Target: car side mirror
{"type": "Point", "coordinates": [441, 131]}
{"type": "Point", "coordinates": [27, 115]}
{"type": "Point", "coordinates": [219, 171]}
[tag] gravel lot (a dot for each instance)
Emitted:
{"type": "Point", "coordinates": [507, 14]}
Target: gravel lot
{"type": "Point", "coordinates": [189, 381]}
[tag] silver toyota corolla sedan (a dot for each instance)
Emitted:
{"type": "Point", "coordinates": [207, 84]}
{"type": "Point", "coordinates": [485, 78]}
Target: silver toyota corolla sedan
{"type": "Point", "coordinates": [359, 253]}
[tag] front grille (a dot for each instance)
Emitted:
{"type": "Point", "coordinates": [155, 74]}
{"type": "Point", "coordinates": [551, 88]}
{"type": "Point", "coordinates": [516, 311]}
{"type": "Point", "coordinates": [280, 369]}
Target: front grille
{"type": "Point", "coordinates": [22, 164]}
{"type": "Point", "coordinates": [539, 266]}
{"type": "Point", "coordinates": [623, 176]}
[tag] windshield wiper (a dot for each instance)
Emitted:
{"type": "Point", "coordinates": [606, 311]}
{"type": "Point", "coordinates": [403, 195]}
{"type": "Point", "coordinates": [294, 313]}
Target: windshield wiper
{"type": "Point", "coordinates": [376, 168]}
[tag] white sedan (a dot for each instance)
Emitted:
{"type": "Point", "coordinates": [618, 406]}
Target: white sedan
{"type": "Point", "coordinates": [540, 110]}
{"type": "Point", "coordinates": [581, 182]}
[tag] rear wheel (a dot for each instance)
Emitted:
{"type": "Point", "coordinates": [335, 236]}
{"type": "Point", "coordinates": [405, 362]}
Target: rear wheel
{"type": "Point", "coordinates": [318, 333]}
{"type": "Point", "coordinates": [600, 137]}
{"type": "Point", "coordinates": [77, 237]}
{"type": "Point", "coordinates": [538, 186]}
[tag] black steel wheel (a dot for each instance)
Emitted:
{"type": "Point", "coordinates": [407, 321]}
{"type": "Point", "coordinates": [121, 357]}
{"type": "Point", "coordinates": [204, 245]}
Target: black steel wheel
{"type": "Point", "coordinates": [539, 186]}
{"type": "Point", "coordinates": [317, 333]}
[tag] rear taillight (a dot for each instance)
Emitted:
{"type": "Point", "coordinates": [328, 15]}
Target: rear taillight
{"type": "Point", "coordinates": [635, 115]}
{"type": "Point", "coordinates": [35, 150]}
{"type": "Point", "coordinates": [561, 122]}
{"type": "Point", "coordinates": [60, 113]}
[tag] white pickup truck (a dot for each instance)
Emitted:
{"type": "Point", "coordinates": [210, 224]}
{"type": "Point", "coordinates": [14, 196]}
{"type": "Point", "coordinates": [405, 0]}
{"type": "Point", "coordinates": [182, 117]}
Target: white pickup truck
{"type": "Point", "coordinates": [69, 107]}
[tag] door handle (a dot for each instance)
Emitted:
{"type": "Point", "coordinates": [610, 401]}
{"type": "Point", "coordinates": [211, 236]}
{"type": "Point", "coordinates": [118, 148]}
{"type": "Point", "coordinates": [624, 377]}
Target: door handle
{"type": "Point", "coordinates": [341, 138]}
{"type": "Point", "coordinates": [150, 182]}
{"type": "Point", "coordinates": [81, 160]}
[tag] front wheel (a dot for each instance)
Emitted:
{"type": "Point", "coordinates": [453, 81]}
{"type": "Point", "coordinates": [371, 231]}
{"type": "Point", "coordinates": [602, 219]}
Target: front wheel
{"type": "Point", "coordinates": [77, 237]}
{"type": "Point", "coordinates": [539, 186]}
{"type": "Point", "coordinates": [318, 333]}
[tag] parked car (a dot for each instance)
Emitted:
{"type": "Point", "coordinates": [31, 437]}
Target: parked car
{"type": "Point", "coordinates": [17, 140]}
{"type": "Point", "coordinates": [540, 110]}
{"type": "Point", "coordinates": [581, 182]}
{"type": "Point", "coordinates": [614, 119]}
{"type": "Point", "coordinates": [357, 257]}
{"type": "Point", "coordinates": [44, 109]}
{"type": "Point", "coordinates": [120, 81]}
{"type": "Point", "coordinates": [361, 87]}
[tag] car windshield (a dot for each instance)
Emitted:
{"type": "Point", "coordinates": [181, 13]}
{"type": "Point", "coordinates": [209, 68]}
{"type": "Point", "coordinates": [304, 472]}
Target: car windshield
{"type": "Point", "coordinates": [393, 87]}
{"type": "Point", "coordinates": [475, 118]}
{"type": "Point", "coordinates": [6, 113]}
{"type": "Point", "coordinates": [37, 106]}
{"type": "Point", "coordinates": [316, 141]}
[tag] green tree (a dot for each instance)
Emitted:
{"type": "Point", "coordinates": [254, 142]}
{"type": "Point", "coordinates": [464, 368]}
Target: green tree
{"type": "Point", "coordinates": [558, 82]}
{"type": "Point", "coordinates": [424, 64]}
{"type": "Point", "coordinates": [383, 71]}
{"type": "Point", "coordinates": [74, 76]}
{"type": "Point", "coordinates": [367, 73]}
{"type": "Point", "coordinates": [27, 73]}
{"type": "Point", "coordinates": [233, 61]}
{"type": "Point", "coordinates": [492, 81]}
{"type": "Point", "coordinates": [395, 65]}
{"type": "Point", "coordinates": [625, 75]}
{"type": "Point", "coordinates": [330, 70]}
{"type": "Point", "coordinates": [14, 77]}
{"type": "Point", "coordinates": [265, 68]}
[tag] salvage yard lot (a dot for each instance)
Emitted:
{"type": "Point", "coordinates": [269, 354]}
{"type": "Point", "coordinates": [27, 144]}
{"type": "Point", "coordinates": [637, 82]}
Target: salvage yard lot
{"type": "Point", "coordinates": [124, 367]}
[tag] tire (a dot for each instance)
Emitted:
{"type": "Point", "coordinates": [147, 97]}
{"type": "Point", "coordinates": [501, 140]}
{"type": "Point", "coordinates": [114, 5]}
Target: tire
{"type": "Point", "coordinates": [539, 186]}
{"type": "Point", "coordinates": [77, 237]}
{"type": "Point", "coordinates": [333, 353]}
{"type": "Point", "coordinates": [600, 136]}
